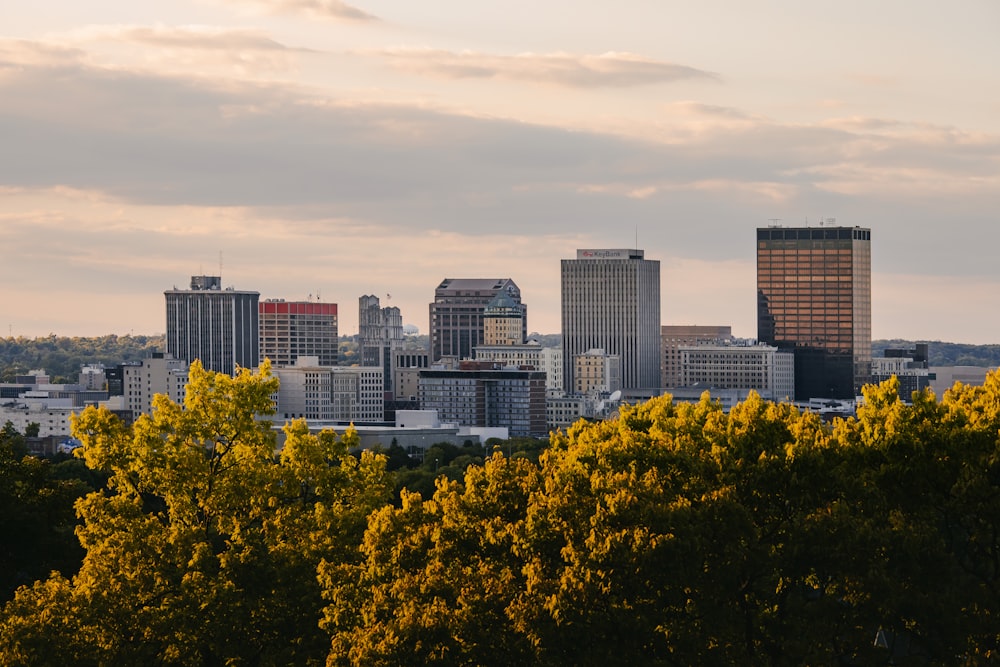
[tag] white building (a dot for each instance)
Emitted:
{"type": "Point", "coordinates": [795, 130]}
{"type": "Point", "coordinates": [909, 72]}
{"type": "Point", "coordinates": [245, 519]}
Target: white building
{"type": "Point", "coordinates": [611, 300]}
{"type": "Point", "coordinates": [92, 378]}
{"type": "Point", "coordinates": [742, 366]}
{"type": "Point", "coordinates": [547, 359]}
{"type": "Point", "coordinates": [37, 407]}
{"type": "Point", "coordinates": [159, 374]}
{"type": "Point", "coordinates": [330, 393]}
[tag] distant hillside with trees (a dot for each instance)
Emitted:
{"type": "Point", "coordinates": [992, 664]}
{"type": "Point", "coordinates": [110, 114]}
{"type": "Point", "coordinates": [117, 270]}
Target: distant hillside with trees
{"type": "Point", "coordinates": [62, 357]}
{"type": "Point", "coordinates": [947, 354]}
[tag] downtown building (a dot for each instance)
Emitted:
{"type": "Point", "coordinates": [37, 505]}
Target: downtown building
{"type": "Point", "coordinates": [674, 337]}
{"type": "Point", "coordinates": [814, 298]}
{"type": "Point", "coordinates": [380, 334]}
{"type": "Point", "coordinates": [293, 329]}
{"type": "Point", "coordinates": [741, 366]}
{"type": "Point", "coordinates": [611, 302]}
{"type": "Point", "coordinates": [217, 326]}
{"type": "Point", "coordinates": [457, 314]}
{"type": "Point", "coordinates": [313, 391]}
{"type": "Point", "coordinates": [481, 394]}
{"type": "Point", "coordinates": [503, 342]}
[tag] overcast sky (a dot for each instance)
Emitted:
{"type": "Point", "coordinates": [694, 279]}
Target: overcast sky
{"type": "Point", "coordinates": [317, 148]}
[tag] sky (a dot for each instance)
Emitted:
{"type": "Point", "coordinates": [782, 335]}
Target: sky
{"type": "Point", "coordinates": [317, 149]}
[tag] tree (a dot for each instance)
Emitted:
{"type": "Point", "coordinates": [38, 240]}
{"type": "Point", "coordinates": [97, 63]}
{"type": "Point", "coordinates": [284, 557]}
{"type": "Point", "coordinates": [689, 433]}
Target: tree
{"type": "Point", "coordinates": [36, 515]}
{"type": "Point", "coordinates": [204, 549]}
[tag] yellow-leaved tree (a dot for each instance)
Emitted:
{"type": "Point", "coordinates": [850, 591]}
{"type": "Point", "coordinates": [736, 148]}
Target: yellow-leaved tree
{"type": "Point", "coordinates": [205, 548]}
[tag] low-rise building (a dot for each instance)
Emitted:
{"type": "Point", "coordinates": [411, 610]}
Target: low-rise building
{"type": "Point", "coordinates": [330, 393]}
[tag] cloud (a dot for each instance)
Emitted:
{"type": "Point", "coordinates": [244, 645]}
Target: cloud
{"type": "Point", "coordinates": [607, 70]}
{"type": "Point", "coordinates": [232, 159]}
{"type": "Point", "coordinates": [323, 9]}
{"type": "Point", "coordinates": [194, 37]}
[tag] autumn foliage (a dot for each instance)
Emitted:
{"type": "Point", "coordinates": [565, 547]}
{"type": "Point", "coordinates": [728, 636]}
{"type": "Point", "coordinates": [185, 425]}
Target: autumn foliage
{"type": "Point", "coordinates": [676, 534]}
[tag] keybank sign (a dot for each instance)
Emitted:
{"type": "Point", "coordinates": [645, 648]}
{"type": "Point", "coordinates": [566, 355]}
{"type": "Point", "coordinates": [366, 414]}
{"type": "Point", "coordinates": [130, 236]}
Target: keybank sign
{"type": "Point", "coordinates": [606, 254]}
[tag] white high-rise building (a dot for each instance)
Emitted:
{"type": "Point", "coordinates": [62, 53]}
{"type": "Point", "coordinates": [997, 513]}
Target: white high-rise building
{"type": "Point", "coordinates": [611, 301]}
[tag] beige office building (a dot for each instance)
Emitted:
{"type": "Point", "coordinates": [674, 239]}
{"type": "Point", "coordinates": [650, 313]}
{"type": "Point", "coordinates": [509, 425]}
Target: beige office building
{"type": "Point", "coordinates": [674, 337]}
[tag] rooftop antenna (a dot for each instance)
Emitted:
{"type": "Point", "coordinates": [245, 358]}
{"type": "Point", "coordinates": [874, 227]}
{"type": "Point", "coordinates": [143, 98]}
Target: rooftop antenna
{"type": "Point", "coordinates": [220, 265]}
{"type": "Point", "coordinates": [774, 221]}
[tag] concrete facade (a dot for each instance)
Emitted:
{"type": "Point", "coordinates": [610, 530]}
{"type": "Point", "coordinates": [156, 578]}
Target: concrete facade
{"type": "Point", "coordinates": [293, 329]}
{"type": "Point", "coordinates": [611, 301]}
{"type": "Point", "coordinates": [217, 326]}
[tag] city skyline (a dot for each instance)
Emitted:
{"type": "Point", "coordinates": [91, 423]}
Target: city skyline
{"type": "Point", "coordinates": [378, 147]}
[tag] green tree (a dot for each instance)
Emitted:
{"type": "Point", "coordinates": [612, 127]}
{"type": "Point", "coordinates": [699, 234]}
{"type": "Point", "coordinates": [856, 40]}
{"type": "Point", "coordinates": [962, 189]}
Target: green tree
{"type": "Point", "coordinates": [205, 548]}
{"type": "Point", "coordinates": [36, 515]}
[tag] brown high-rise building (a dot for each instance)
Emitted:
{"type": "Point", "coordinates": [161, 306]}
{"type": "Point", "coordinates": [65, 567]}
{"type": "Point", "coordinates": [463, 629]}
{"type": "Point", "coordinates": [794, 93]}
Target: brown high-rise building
{"type": "Point", "coordinates": [458, 310]}
{"type": "Point", "coordinates": [814, 297]}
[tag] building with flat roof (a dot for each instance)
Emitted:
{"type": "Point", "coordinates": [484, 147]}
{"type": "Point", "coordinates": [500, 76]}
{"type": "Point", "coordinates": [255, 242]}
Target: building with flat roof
{"type": "Point", "coordinates": [814, 298]}
{"type": "Point", "coordinates": [309, 390]}
{"type": "Point", "coordinates": [674, 337]}
{"type": "Point", "coordinates": [595, 372]}
{"type": "Point", "coordinates": [293, 329]}
{"type": "Point", "coordinates": [742, 366]}
{"type": "Point", "coordinates": [458, 310]}
{"type": "Point", "coordinates": [217, 326]}
{"type": "Point", "coordinates": [611, 301]}
{"type": "Point", "coordinates": [481, 394]}
{"type": "Point", "coordinates": [158, 374]}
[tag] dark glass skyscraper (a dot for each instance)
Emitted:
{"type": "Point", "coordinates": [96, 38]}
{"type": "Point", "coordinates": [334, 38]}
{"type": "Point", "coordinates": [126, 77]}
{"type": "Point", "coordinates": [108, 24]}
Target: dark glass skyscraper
{"type": "Point", "coordinates": [814, 296]}
{"type": "Point", "coordinates": [217, 326]}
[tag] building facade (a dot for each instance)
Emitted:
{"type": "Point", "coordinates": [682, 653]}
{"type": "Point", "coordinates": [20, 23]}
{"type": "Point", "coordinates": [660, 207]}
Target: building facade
{"type": "Point", "coordinates": [743, 367]}
{"type": "Point", "coordinates": [458, 310]}
{"type": "Point", "coordinates": [217, 326]}
{"type": "Point", "coordinates": [814, 297]}
{"type": "Point", "coordinates": [158, 374]}
{"type": "Point", "coordinates": [309, 390]}
{"type": "Point", "coordinates": [486, 397]}
{"type": "Point", "coordinates": [380, 334]}
{"type": "Point", "coordinates": [611, 301]}
{"type": "Point", "coordinates": [674, 337]}
{"type": "Point", "coordinates": [293, 329]}
{"type": "Point", "coordinates": [596, 372]}
{"type": "Point", "coordinates": [531, 354]}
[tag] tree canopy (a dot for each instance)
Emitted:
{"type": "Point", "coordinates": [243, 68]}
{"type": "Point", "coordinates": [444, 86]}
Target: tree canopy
{"type": "Point", "coordinates": [205, 548]}
{"type": "Point", "coordinates": [676, 534]}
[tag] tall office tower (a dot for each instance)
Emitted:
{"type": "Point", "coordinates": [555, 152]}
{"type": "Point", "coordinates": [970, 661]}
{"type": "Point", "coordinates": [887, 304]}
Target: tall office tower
{"type": "Point", "coordinates": [293, 329]}
{"type": "Point", "coordinates": [457, 314]}
{"type": "Point", "coordinates": [217, 326]}
{"type": "Point", "coordinates": [814, 296]}
{"type": "Point", "coordinates": [380, 334]}
{"type": "Point", "coordinates": [611, 301]}
{"type": "Point", "coordinates": [674, 337]}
